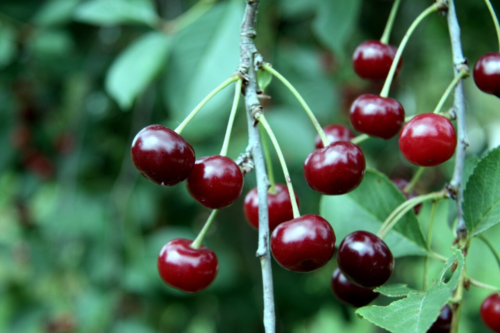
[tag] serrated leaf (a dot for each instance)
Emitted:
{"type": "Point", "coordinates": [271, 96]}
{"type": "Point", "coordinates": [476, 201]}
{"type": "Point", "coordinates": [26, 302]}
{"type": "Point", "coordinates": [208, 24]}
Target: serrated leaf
{"type": "Point", "coordinates": [396, 290]}
{"type": "Point", "coordinates": [469, 165]}
{"type": "Point", "coordinates": [136, 67]}
{"type": "Point", "coordinates": [482, 195]}
{"type": "Point", "coordinates": [367, 207]}
{"type": "Point", "coordinates": [114, 12]}
{"type": "Point", "coordinates": [55, 12]}
{"type": "Point", "coordinates": [264, 78]}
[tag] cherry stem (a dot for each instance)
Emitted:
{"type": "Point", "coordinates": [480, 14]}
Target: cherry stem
{"type": "Point", "coordinates": [269, 163]}
{"type": "Point", "coordinates": [404, 41]}
{"type": "Point", "coordinates": [402, 209]}
{"type": "Point", "coordinates": [232, 115]}
{"type": "Point", "coordinates": [390, 22]}
{"type": "Point", "coordinates": [265, 124]}
{"type": "Point", "coordinates": [479, 284]}
{"type": "Point", "coordinates": [428, 242]}
{"type": "Point", "coordinates": [197, 242]}
{"type": "Point", "coordinates": [214, 92]}
{"type": "Point", "coordinates": [360, 138]}
{"type": "Point", "coordinates": [495, 19]}
{"type": "Point", "coordinates": [189, 17]}
{"type": "Point", "coordinates": [294, 91]}
{"type": "Point", "coordinates": [414, 180]}
{"type": "Point", "coordinates": [492, 249]}
{"type": "Point", "coordinates": [453, 83]}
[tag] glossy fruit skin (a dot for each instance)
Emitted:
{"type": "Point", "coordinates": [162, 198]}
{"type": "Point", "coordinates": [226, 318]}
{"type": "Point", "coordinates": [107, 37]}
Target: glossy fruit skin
{"type": "Point", "coordinates": [215, 181]}
{"type": "Point", "coordinates": [303, 244]}
{"type": "Point", "coordinates": [336, 169]}
{"type": "Point", "coordinates": [279, 207]}
{"type": "Point", "coordinates": [334, 133]}
{"type": "Point", "coordinates": [377, 116]}
{"type": "Point", "coordinates": [428, 140]}
{"type": "Point", "coordinates": [349, 293]}
{"type": "Point", "coordinates": [372, 60]}
{"type": "Point", "coordinates": [443, 323]}
{"type": "Point", "coordinates": [490, 312]}
{"type": "Point", "coordinates": [365, 259]}
{"type": "Point", "coordinates": [487, 73]}
{"type": "Point", "coordinates": [401, 184]}
{"type": "Point", "coordinates": [161, 155]}
{"type": "Point", "coordinates": [187, 269]}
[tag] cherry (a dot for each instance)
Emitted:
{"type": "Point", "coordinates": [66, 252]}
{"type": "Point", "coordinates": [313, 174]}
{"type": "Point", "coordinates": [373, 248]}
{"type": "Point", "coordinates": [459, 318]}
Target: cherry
{"type": "Point", "coordinates": [279, 207]}
{"type": "Point", "coordinates": [350, 293]}
{"type": "Point", "coordinates": [161, 155]}
{"type": "Point", "coordinates": [490, 312]}
{"type": "Point", "coordinates": [372, 60]}
{"type": "Point", "coordinates": [187, 269]}
{"type": "Point", "coordinates": [487, 73]}
{"type": "Point", "coordinates": [428, 140]}
{"type": "Point", "coordinates": [336, 169]}
{"type": "Point", "coordinates": [303, 244]}
{"type": "Point", "coordinates": [401, 184]}
{"type": "Point", "coordinates": [334, 133]}
{"type": "Point", "coordinates": [216, 181]}
{"type": "Point", "coordinates": [377, 116]}
{"type": "Point", "coordinates": [365, 259]}
{"type": "Point", "coordinates": [443, 322]}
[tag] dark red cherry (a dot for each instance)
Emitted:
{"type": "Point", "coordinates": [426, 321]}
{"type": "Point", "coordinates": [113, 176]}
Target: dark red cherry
{"type": "Point", "coordinates": [303, 244]}
{"type": "Point", "coordinates": [365, 259]}
{"type": "Point", "coordinates": [215, 181]}
{"type": "Point", "coordinates": [372, 60]}
{"type": "Point", "coordinates": [443, 323]}
{"type": "Point", "coordinates": [334, 133]}
{"type": "Point", "coordinates": [161, 155]}
{"type": "Point", "coordinates": [377, 116]}
{"type": "Point", "coordinates": [487, 73]}
{"type": "Point", "coordinates": [401, 184]}
{"type": "Point", "coordinates": [187, 269]}
{"type": "Point", "coordinates": [350, 293]}
{"type": "Point", "coordinates": [279, 206]}
{"type": "Point", "coordinates": [428, 140]}
{"type": "Point", "coordinates": [336, 169]}
{"type": "Point", "coordinates": [490, 312]}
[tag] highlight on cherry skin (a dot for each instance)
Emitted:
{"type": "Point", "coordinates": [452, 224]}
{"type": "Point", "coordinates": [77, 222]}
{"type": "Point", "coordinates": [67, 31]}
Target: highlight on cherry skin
{"type": "Point", "coordinates": [279, 206]}
{"type": "Point", "coordinates": [303, 244]}
{"type": "Point", "coordinates": [334, 133]}
{"type": "Point", "coordinates": [372, 60]}
{"type": "Point", "coordinates": [161, 155]}
{"type": "Point", "coordinates": [490, 312]}
{"type": "Point", "coordinates": [487, 73]}
{"type": "Point", "coordinates": [349, 293]}
{"type": "Point", "coordinates": [187, 269]}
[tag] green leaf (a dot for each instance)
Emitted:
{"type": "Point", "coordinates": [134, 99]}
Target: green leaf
{"type": "Point", "coordinates": [7, 45]}
{"type": "Point", "coordinates": [469, 165]}
{"type": "Point", "coordinates": [136, 67]}
{"type": "Point", "coordinates": [396, 290]}
{"type": "Point", "coordinates": [114, 12]}
{"type": "Point", "coordinates": [264, 78]}
{"type": "Point", "coordinates": [55, 12]}
{"type": "Point", "coordinates": [482, 195]}
{"type": "Point", "coordinates": [367, 207]}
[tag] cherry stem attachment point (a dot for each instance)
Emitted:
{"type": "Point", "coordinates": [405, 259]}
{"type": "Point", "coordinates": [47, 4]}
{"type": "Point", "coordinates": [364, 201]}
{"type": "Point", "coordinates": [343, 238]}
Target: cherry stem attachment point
{"type": "Point", "coordinates": [360, 138]}
{"type": "Point", "coordinates": [390, 22]}
{"type": "Point", "coordinates": [428, 241]}
{"type": "Point", "coordinates": [265, 124]}
{"type": "Point", "coordinates": [414, 180]}
{"type": "Point", "coordinates": [462, 74]}
{"type": "Point", "coordinates": [199, 239]}
{"type": "Point", "coordinates": [214, 92]}
{"type": "Point", "coordinates": [269, 163]}
{"type": "Point", "coordinates": [232, 115]}
{"type": "Point", "coordinates": [402, 45]}
{"type": "Point", "coordinates": [319, 129]}
{"type": "Point", "coordinates": [495, 19]}
{"type": "Point", "coordinates": [491, 247]}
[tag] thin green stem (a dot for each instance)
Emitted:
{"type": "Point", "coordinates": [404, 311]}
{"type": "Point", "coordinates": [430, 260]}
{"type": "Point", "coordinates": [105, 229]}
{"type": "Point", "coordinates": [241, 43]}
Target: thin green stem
{"type": "Point", "coordinates": [232, 115]}
{"type": "Point", "coordinates": [390, 22]}
{"type": "Point", "coordinates": [189, 17]}
{"type": "Point", "coordinates": [214, 92]}
{"type": "Point", "coordinates": [448, 90]}
{"type": "Point", "coordinates": [397, 57]}
{"type": "Point", "coordinates": [480, 284]}
{"type": "Point", "coordinates": [414, 180]}
{"type": "Point", "coordinates": [199, 239]}
{"type": "Point", "coordinates": [459, 294]}
{"type": "Point", "coordinates": [492, 249]}
{"type": "Point", "coordinates": [265, 124]}
{"type": "Point", "coordinates": [495, 19]}
{"type": "Point", "coordinates": [428, 241]}
{"type": "Point", "coordinates": [437, 256]}
{"type": "Point", "coordinates": [360, 138]}
{"type": "Point", "coordinates": [294, 91]}
{"type": "Point", "coordinates": [269, 162]}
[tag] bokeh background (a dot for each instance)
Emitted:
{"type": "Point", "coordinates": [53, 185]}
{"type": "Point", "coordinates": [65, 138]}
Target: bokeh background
{"type": "Point", "coordinates": [80, 229]}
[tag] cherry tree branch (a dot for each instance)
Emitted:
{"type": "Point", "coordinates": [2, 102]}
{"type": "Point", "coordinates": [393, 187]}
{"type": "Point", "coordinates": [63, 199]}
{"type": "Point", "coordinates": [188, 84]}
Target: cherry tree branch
{"type": "Point", "coordinates": [249, 59]}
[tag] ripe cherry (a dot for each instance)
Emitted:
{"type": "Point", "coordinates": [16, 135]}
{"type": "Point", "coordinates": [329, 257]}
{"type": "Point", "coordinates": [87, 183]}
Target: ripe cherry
{"type": "Point", "coordinates": [336, 169]}
{"type": "Point", "coordinates": [161, 155]}
{"type": "Point", "coordinates": [365, 259]}
{"type": "Point", "coordinates": [487, 73]}
{"type": "Point", "coordinates": [377, 116]}
{"type": "Point", "coordinates": [303, 244]}
{"type": "Point", "coordinates": [279, 206]}
{"type": "Point", "coordinates": [443, 323]}
{"type": "Point", "coordinates": [334, 133]}
{"type": "Point", "coordinates": [187, 269]}
{"type": "Point", "coordinates": [215, 181]}
{"type": "Point", "coordinates": [401, 184]}
{"type": "Point", "coordinates": [350, 293]}
{"type": "Point", "coordinates": [372, 60]}
{"type": "Point", "coordinates": [490, 312]}
{"type": "Point", "coordinates": [428, 140]}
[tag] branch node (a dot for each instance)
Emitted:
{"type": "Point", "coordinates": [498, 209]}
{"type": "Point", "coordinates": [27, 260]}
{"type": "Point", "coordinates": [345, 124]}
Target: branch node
{"type": "Point", "coordinates": [245, 162]}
